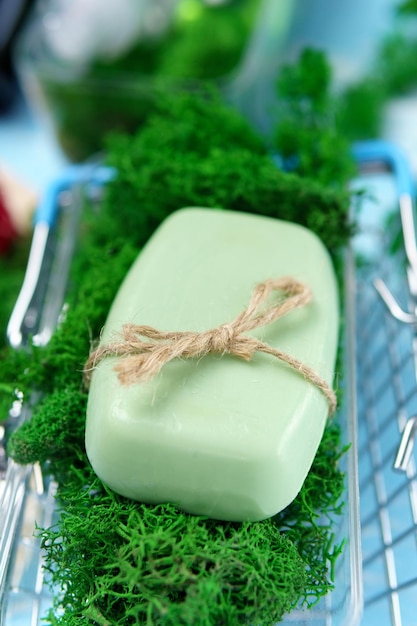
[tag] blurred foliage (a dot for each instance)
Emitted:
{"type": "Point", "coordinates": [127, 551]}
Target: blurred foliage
{"type": "Point", "coordinates": [204, 44]}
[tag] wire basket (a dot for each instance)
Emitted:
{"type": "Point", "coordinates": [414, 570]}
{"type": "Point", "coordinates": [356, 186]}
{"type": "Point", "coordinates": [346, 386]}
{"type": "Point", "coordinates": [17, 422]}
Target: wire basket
{"type": "Point", "coordinates": [379, 290]}
{"type": "Point", "coordinates": [25, 501]}
{"type": "Point", "coordinates": [386, 359]}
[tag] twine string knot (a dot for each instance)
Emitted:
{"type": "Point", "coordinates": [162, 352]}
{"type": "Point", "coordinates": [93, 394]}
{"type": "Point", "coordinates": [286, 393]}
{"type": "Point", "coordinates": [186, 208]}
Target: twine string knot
{"type": "Point", "coordinates": [143, 350]}
{"type": "Point", "coordinates": [223, 340]}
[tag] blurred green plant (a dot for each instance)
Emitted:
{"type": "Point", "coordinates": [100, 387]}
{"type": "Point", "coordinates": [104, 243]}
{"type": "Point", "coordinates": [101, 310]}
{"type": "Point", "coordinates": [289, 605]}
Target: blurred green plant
{"type": "Point", "coordinates": [204, 44]}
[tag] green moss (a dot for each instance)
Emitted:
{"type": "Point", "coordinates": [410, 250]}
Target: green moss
{"type": "Point", "coordinates": [156, 565]}
{"type": "Point", "coordinates": [55, 429]}
{"type": "Point", "coordinates": [202, 154]}
{"type": "Point", "coordinates": [114, 561]}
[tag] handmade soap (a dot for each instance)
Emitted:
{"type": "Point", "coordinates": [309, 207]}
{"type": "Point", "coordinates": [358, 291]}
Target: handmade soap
{"type": "Point", "coordinates": [217, 435]}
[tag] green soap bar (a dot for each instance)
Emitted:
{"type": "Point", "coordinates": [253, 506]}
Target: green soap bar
{"type": "Point", "coordinates": [218, 436]}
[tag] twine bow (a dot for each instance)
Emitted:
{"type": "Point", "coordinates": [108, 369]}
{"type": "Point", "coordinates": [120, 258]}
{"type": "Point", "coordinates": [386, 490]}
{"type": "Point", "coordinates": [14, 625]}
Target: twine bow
{"type": "Point", "coordinates": [141, 360]}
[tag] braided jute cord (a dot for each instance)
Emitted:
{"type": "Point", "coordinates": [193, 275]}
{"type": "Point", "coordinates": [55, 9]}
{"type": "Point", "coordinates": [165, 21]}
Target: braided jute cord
{"type": "Point", "coordinates": [141, 360]}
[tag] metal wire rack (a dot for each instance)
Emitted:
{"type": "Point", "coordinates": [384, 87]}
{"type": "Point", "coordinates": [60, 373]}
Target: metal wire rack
{"type": "Point", "coordinates": [28, 598]}
{"type": "Point", "coordinates": [386, 359]}
{"type": "Point", "coordinates": [387, 399]}
{"type": "Point", "coordinates": [26, 501]}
